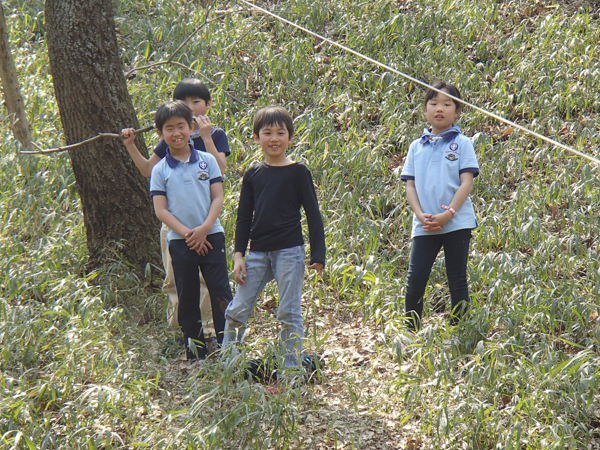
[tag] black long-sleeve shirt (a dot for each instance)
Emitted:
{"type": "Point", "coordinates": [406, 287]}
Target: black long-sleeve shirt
{"type": "Point", "coordinates": [269, 210]}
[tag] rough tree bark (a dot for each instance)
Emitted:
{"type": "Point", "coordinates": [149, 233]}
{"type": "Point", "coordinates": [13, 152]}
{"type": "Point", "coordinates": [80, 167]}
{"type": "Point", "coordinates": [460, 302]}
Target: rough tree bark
{"type": "Point", "coordinates": [10, 85]}
{"type": "Point", "coordinates": [92, 97]}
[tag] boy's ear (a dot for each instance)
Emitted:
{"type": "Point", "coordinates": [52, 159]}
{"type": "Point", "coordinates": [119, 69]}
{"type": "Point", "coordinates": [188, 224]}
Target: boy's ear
{"type": "Point", "coordinates": [208, 104]}
{"type": "Point", "coordinates": [255, 137]}
{"type": "Point", "coordinates": [159, 133]}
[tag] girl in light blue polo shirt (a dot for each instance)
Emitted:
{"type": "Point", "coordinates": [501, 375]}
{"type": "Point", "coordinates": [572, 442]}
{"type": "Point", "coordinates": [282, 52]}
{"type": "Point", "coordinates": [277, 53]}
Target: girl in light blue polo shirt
{"type": "Point", "coordinates": [439, 171]}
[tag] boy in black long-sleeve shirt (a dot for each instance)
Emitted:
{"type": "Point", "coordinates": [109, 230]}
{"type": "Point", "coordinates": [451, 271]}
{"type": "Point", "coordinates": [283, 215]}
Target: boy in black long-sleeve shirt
{"type": "Point", "coordinates": [269, 216]}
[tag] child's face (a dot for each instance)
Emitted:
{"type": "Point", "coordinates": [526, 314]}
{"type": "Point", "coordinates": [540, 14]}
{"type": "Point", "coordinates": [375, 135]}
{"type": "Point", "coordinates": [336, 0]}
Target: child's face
{"type": "Point", "coordinates": [176, 133]}
{"type": "Point", "coordinates": [197, 105]}
{"type": "Point", "coordinates": [441, 112]}
{"type": "Point", "coordinates": [273, 139]}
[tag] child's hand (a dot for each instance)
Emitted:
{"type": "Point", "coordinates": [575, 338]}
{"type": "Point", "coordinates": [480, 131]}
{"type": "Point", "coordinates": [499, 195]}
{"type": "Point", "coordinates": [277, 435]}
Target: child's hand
{"type": "Point", "coordinates": [318, 267]}
{"type": "Point", "coordinates": [437, 222]}
{"type": "Point", "coordinates": [443, 218]}
{"type": "Point", "coordinates": [205, 127]}
{"type": "Point", "coordinates": [128, 135]}
{"type": "Point", "coordinates": [423, 218]}
{"type": "Point", "coordinates": [203, 249]}
{"type": "Point", "coordinates": [239, 269]}
{"type": "Point", "coordinates": [196, 240]}
{"type": "Point", "coordinates": [430, 223]}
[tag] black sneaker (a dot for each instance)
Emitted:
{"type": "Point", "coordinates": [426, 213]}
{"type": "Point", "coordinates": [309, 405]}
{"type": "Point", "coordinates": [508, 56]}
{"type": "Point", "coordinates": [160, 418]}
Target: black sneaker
{"type": "Point", "coordinates": [212, 345]}
{"type": "Point", "coordinates": [172, 347]}
{"type": "Point", "coordinates": [261, 371]}
{"type": "Point", "coordinates": [312, 365]}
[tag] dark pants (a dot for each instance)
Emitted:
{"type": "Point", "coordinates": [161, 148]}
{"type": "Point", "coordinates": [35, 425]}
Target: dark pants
{"type": "Point", "coordinates": [423, 253]}
{"type": "Point", "coordinates": [187, 280]}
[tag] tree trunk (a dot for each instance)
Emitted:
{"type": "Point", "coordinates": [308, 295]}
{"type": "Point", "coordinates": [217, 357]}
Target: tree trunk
{"type": "Point", "coordinates": [10, 86]}
{"type": "Point", "coordinates": [92, 97]}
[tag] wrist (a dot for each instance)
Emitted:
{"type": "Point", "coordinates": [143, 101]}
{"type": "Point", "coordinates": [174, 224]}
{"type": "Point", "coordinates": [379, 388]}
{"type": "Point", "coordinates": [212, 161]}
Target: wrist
{"type": "Point", "coordinates": [203, 228]}
{"type": "Point", "coordinates": [449, 209]}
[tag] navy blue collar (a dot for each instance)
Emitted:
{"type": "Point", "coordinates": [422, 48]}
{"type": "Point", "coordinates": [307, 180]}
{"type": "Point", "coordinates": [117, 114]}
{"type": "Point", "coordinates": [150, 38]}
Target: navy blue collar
{"type": "Point", "coordinates": [447, 135]}
{"type": "Point", "coordinates": [172, 162]}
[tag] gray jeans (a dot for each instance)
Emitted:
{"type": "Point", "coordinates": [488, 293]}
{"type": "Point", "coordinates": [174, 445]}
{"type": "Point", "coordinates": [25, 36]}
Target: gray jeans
{"type": "Point", "coordinates": [286, 266]}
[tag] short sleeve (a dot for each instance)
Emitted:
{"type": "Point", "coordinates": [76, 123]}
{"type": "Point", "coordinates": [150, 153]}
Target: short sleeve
{"type": "Point", "coordinates": [468, 159]}
{"type": "Point", "coordinates": [158, 184]}
{"type": "Point", "coordinates": [161, 149]}
{"type": "Point", "coordinates": [221, 142]}
{"type": "Point", "coordinates": [408, 170]}
{"type": "Point", "coordinates": [214, 173]}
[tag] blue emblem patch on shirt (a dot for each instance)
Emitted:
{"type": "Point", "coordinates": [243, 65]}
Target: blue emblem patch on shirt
{"type": "Point", "coordinates": [202, 165]}
{"type": "Point", "coordinates": [453, 146]}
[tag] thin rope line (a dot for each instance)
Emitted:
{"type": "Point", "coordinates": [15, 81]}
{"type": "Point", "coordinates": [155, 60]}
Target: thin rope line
{"type": "Point", "coordinates": [414, 80]}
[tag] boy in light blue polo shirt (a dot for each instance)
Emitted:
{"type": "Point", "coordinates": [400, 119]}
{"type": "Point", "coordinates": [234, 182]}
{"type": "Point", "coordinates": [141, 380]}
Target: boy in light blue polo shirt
{"type": "Point", "coordinates": [187, 190]}
{"type": "Point", "coordinates": [439, 171]}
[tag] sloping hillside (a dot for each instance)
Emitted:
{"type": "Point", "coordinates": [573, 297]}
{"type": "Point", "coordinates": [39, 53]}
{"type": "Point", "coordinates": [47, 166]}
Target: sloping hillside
{"type": "Point", "coordinates": [83, 357]}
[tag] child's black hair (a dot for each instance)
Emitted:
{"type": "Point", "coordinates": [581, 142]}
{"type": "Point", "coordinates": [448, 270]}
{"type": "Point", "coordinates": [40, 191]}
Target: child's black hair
{"type": "Point", "coordinates": [441, 85]}
{"type": "Point", "coordinates": [191, 88]}
{"type": "Point", "coordinates": [172, 109]}
{"type": "Point", "coordinates": [273, 115]}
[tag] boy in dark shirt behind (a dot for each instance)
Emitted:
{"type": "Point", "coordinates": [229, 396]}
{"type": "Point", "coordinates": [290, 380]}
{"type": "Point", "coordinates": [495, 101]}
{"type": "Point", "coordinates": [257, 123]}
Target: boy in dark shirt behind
{"type": "Point", "coordinates": [269, 216]}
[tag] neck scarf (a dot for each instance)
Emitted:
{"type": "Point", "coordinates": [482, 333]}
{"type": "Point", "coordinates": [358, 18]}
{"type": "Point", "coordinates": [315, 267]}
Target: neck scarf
{"type": "Point", "coordinates": [447, 135]}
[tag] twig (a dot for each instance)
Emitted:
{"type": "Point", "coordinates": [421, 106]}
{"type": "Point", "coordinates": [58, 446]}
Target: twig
{"type": "Point", "coordinates": [215, 84]}
{"type": "Point", "coordinates": [36, 146]}
{"type": "Point", "coordinates": [79, 144]}
{"type": "Point", "coordinates": [177, 63]}
{"type": "Point", "coordinates": [206, 21]}
{"type": "Point", "coordinates": [208, 80]}
{"type": "Point", "coordinates": [169, 60]}
{"type": "Point", "coordinates": [250, 30]}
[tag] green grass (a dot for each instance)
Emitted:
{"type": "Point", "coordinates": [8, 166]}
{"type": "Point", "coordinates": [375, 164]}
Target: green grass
{"type": "Point", "coordinates": [79, 369]}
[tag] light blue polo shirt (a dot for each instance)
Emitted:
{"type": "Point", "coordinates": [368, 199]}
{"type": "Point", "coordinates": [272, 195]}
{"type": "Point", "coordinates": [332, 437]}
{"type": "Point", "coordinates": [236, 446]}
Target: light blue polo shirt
{"type": "Point", "coordinates": [186, 184]}
{"type": "Point", "coordinates": [435, 163]}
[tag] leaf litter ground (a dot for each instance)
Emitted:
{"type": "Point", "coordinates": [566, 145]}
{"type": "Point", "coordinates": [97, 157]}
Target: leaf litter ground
{"type": "Point", "coordinates": [351, 407]}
